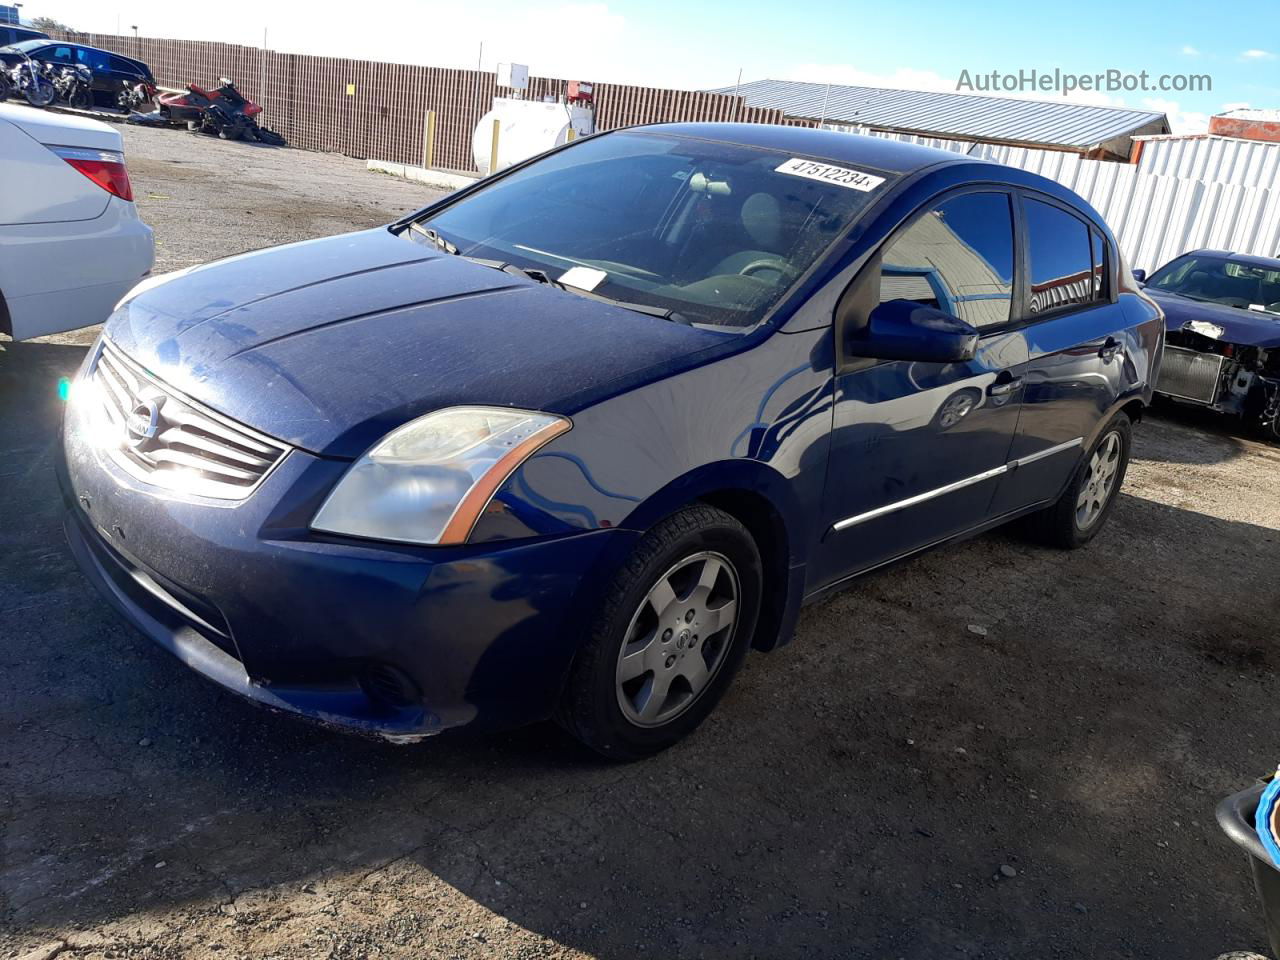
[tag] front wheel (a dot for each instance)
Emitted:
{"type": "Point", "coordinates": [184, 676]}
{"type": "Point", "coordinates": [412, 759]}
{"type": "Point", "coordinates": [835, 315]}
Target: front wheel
{"type": "Point", "coordinates": [1083, 509]}
{"type": "Point", "coordinates": [81, 100]}
{"type": "Point", "coordinates": [674, 628]}
{"type": "Point", "coordinates": [40, 93]}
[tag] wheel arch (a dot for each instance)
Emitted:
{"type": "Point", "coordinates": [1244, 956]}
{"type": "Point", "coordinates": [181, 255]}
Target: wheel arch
{"type": "Point", "coordinates": [1131, 406]}
{"type": "Point", "coordinates": [763, 501]}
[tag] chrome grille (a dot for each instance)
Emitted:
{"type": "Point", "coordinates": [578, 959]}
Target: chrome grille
{"type": "Point", "coordinates": [1190, 375]}
{"type": "Point", "coordinates": [163, 438]}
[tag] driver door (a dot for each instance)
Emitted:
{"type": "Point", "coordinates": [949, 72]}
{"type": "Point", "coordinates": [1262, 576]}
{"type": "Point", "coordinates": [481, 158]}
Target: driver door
{"type": "Point", "coordinates": [917, 448]}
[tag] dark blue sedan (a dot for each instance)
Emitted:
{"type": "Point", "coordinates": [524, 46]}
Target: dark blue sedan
{"type": "Point", "coordinates": [1222, 311]}
{"type": "Point", "coordinates": [573, 440]}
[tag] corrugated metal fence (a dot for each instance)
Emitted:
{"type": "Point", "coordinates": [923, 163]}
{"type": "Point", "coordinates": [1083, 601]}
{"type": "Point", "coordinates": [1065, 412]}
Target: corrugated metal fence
{"type": "Point", "coordinates": [306, 98]}
{"type": "Point", "coordinates": [1154, 216]}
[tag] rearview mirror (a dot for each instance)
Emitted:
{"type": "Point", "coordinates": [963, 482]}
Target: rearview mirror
{"type": "Point", "coordinates": [1140, 276]}
{"type": "Point", "coordinates": [906, 330]}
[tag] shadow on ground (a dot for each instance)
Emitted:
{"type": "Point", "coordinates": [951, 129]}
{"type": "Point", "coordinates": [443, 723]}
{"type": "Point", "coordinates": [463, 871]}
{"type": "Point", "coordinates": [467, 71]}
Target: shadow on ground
{"type": "Point", "coordinates": [854, 796]}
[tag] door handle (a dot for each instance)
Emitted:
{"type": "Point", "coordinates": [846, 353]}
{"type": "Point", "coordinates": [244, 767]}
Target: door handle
{"type": "Point", "coordinates": [1109, 350]}
{"type": "Point", "coordinates": [1005, 384]}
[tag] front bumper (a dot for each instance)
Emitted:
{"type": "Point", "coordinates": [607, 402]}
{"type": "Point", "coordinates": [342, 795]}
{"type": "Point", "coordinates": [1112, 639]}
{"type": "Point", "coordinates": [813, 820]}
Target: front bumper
{"type": "Point", "coordinates": [243, 593]}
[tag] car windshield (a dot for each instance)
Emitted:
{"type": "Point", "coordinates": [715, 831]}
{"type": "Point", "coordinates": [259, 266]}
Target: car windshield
{"type": "Point", "coordinates": [714, 232]}
{"type": "Point", "coordinates": [1222, 280]}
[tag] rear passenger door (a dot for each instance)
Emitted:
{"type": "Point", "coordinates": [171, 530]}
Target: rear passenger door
{"type": "Point", "coordinates": [1076, 340]}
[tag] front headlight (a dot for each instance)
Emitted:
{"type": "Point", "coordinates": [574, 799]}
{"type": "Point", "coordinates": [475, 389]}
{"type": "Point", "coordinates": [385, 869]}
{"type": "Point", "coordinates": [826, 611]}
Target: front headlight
{"type": "Point", "coordinates": [428, 481]}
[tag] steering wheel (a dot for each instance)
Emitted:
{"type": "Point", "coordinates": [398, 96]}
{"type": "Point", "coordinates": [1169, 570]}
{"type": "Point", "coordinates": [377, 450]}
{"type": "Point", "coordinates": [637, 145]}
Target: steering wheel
{"type": "Point", "coordinates": [755, 266]}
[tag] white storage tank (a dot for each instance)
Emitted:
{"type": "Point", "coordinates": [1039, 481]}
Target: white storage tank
{"type": "Point", "coordinates": [525, 128]}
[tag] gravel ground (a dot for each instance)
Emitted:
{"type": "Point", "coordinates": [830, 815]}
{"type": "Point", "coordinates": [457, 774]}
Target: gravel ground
{"type": "Point", "coordinates": [893, 784]}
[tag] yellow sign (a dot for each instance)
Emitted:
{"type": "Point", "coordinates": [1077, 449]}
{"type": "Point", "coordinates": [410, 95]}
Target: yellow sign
{"type": "Point", "coordinates": [351, 89]}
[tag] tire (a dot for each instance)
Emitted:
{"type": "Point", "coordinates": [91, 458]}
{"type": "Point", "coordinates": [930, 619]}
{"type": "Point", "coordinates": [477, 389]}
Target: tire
{"type": "Point", "coordinates": [40, 94]}
{"type": "Point", "coordinates": [1066, 524]}
{"type": "Point", "coordinates": [626, 717]}
{"type": "Point", "coordinates": [81, 100]}
{"type": "Point", "coordinates": [231, 132]}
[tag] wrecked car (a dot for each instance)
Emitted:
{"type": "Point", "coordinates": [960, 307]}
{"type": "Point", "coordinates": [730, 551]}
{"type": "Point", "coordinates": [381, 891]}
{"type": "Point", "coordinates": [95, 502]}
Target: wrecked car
{"type": "Point", "coordinates": [1222, 341]}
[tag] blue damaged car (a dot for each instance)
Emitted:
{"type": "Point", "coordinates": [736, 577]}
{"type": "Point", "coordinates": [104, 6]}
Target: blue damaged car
{"type": "Point", "coordinates": [1222, 312]}
{"type": "Point", "coordinates": [572, 441]}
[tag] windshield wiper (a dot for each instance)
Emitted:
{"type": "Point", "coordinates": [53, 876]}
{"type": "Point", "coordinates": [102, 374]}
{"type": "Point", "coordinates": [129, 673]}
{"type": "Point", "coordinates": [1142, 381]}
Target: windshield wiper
{"type": "Point", "coordinates": [648, 310]}
{"type": "Point", "coordinates": [541, 276]}
{"type": "Point", "coordinates": [433, 237]}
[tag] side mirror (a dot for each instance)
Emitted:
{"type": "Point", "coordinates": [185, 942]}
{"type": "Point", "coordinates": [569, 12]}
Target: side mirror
{"type": "Point", "coordinates": [906, 330]}
{"type": "Point", "coordinates": [1140, 276]}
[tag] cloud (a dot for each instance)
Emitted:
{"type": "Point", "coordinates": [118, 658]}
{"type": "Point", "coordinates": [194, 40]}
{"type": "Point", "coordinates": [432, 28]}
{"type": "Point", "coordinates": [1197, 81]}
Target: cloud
{"type": "Point", "coordinates": [1256, 55]}
{"type": "Point", "coordinates": [1236, 105]}
{"type": "Point", "coordinates": [1189, 51]}
{"type": "Point", "coordinates": [1180, 121]}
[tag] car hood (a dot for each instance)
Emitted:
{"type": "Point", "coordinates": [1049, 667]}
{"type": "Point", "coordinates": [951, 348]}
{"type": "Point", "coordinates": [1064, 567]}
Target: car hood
{"type": "Point", "coordinates": [1245, 327]}
{"type": "Point", "coordinates": [331, 343]}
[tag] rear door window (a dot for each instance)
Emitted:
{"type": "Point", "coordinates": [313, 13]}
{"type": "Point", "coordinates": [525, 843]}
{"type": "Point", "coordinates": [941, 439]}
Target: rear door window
{"type": "Point", "coordinates": [96, 60]}
{"type": "Point", "coordinates": [123, 66]}
{"type": "Point", "coordinates": [1060, 271]}
{"type": "Point", "coordinates": [956, 257]}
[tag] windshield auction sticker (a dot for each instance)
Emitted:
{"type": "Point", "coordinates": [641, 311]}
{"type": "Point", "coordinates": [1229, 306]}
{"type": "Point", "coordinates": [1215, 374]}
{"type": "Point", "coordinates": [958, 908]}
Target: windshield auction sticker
{"type": "Point", "coordinates": [840, 176]}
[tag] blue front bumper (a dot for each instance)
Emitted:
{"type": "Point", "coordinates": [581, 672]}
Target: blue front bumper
{"type": "Point", "coordinates": [245, 594]}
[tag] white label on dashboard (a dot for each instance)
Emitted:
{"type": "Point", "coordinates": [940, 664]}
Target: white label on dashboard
{"type": "Point", "coordinates": [840, 176]}
{"type": "Point", "coordinates": [584, 278]}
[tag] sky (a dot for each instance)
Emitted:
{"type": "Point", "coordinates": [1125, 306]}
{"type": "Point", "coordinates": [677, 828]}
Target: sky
{"type": "Point", "coordinates": [918, 44]}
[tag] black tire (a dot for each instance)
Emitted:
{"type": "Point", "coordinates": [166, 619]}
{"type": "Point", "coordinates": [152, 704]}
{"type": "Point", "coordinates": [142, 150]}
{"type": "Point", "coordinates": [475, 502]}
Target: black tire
{"type": "Point", "coordinates": [590, 707]}
{"type": "Point", "coordinates": [231, 132]}
{"type": "Point", "coordinates": [41, 93]}
{"type": "Point", "coordinates": [1059, 525]}
{"type": "Point", "coordinates": [81, 100]}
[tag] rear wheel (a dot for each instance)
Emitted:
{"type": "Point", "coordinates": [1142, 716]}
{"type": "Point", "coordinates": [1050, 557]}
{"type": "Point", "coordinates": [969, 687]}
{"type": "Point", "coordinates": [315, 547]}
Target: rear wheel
{"type": "Point", "coordinates": [81, 100]}
{"type": "Point", "coordinates": [674, 628]}
{"type": "Point", "coordinates": [1083, 509]}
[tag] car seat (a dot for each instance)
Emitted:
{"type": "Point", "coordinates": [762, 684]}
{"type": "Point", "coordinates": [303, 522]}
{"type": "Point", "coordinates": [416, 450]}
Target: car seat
{"type": "Point", "coordinates": [761, 219]}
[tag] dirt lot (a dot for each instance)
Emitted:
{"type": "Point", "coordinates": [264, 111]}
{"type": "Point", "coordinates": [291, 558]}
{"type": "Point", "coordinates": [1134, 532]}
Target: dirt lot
{"type": "Point", "coordinates": [855, 796]}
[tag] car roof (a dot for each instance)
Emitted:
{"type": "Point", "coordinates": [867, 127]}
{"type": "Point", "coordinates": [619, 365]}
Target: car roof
{"type": "Point", "coordinates": [43, 41]}
{"type": "Point", "coordinates": [1253, 260]}
{"type": "Point", "coordinates": [893, 156]}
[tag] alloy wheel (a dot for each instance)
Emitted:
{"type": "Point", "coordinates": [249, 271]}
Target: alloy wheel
{"type": "Point", "coordinates": [677, 639]}
{"type": "Point", "coordinates": [1099, 484]}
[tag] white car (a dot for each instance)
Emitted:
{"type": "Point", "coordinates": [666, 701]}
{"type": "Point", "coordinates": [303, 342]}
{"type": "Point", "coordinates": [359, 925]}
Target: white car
{"type": "Point", "coordinates": [71, 243]}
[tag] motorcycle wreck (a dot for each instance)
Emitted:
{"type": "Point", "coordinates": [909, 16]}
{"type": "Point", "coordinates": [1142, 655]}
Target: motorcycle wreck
{"type": "Point", "coordinates": [74, 86]}
{"type": "Point", "coordinates": [224, 112]}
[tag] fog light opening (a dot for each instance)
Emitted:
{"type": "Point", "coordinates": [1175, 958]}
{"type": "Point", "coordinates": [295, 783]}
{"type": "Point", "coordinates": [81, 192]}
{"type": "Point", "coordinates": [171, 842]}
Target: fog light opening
{"type": "Point", "coordinates": [389, 686]}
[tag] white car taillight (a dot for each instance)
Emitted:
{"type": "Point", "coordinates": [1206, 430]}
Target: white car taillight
{"type": "Point", "coordinates": [104, 167]}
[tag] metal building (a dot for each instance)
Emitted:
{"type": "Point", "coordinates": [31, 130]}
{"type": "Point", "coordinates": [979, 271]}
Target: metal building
{"type": "Point", "coordinates": [1097, 132]}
